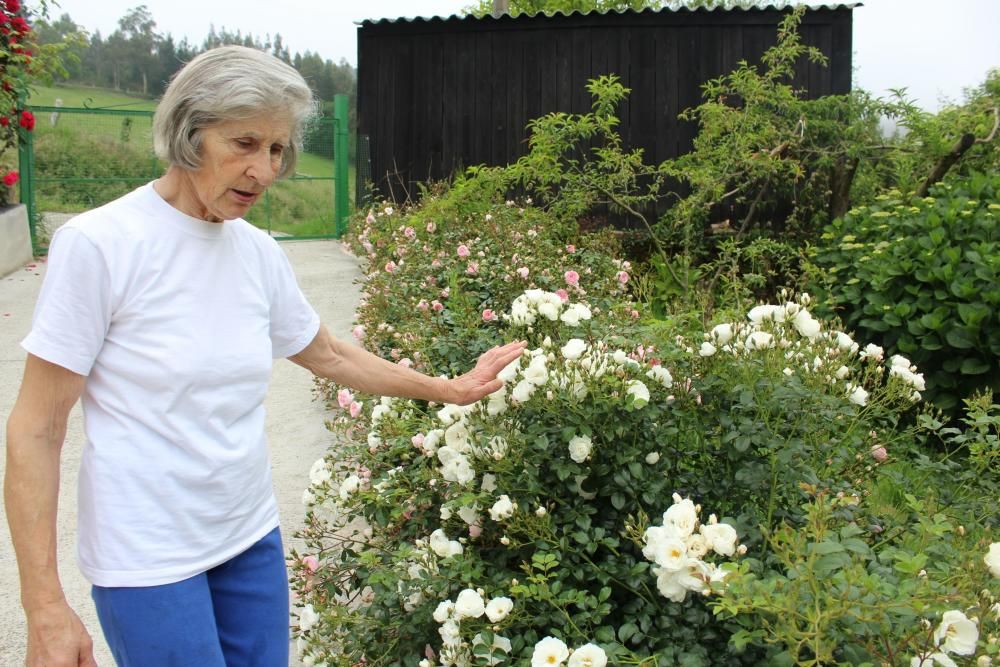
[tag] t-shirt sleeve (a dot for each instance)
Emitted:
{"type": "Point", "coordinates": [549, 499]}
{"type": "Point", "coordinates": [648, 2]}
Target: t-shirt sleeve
{"type": "Point", "coordinates": [294, 322]}
{"type": "Point", "coordinates": [74, 307]}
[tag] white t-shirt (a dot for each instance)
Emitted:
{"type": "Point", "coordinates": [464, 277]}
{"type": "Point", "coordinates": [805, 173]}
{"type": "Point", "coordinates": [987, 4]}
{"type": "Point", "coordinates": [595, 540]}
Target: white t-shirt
{"type": "Point", "coordinates": [175, 322]}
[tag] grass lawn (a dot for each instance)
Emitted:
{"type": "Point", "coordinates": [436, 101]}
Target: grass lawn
{"type": "Point", "coordinates": [83, 96]}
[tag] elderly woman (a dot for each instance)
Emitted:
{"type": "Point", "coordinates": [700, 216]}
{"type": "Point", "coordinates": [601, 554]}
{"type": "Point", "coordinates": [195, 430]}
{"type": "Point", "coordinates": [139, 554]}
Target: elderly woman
{"type": "Point", "coordinates": [163, 310]}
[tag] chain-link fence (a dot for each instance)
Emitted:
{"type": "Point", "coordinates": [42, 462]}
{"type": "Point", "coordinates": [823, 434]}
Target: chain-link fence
{"type": "Point", "coordinates": [77, 159]}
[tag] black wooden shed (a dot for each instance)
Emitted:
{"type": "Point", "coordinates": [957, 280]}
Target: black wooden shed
{"type": "Point", "coordinates": [440, 94]}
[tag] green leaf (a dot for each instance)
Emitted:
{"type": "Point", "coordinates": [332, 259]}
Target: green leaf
{"type": "Point", "coordinates": [826, 547]}
{"type": "Point", "coordinates": [961, 338]}
{"type": "Point", "coordinates": [974, 366]}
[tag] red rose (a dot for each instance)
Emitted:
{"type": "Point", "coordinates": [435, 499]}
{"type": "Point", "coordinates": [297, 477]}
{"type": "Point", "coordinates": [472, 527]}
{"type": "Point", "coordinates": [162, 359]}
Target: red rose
{"type": "Point", "coordinates": [10, 178]}
{"type": "Point", "coordinates": [19, 24]}
{"type": "Point", "coordinates": [13, 6]}
{"type": "Point", "coordinates": [4, 121]}
{"type": "Point", "coordinates": [27, 120]}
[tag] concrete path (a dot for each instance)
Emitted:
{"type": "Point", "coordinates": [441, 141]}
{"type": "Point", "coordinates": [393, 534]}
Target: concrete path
{"type": "Point", "coordinates": [295, 426]}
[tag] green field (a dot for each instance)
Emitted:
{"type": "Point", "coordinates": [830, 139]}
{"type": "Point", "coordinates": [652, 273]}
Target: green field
{"type": "Point", "coordinates": [83, 96]}
{"type": "Point", "coordinates": [84, 160]}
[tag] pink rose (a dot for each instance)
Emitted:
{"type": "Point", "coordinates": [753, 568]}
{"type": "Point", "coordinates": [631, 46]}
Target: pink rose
{"type": "Point", "coordinates": [571, 249]}
{"type": "Point", "coordinates": [436, 263]}
{"type": "Point", "coordinates": [311, 563]}
{"type": "Point", "coordinates": [355, 409]}
{"type": "Point", "coordinates": [879, 454]}
{"type": "Point", "coordinates": [463, 250]}
{"type": "Point", "coordinates": [634, 314]}
{"type": "Point", "coordinates": [405, 363]}
{"type": "Point", "coordinates": [489, 315]}
{"type": "Point", "coordinates": [572, 278]}
{"type": "Point", "coordinates": [446, 292]}
{"type": "Point", "coordinates": [436, 305]}
{"type": "Point", "coordinates": [390, 267]}
{"type": "Point", "coordinates": [523, 272]}
{"type": "Point", "coordinates": [371, 217]}
{"type": "Point", "coordinates": [409, 232]}
{"type": "Point", "coordinates": [622, 277]}
{"type": "Point", "coordinates": [418, 440]}
{"type": "Point", "coordinates": [431, 227]}
{"type": "Point", "coordinates": [473, 268]}
{"type": "Point", "coordinates": [344, 398]}
{"type": "Point", "coordinates": [358, 332]}
{"type": "Point", "coordinates": [562, 294]}
{"type": "Point", "coordinates": [422, 304]}
{"type": "Point", "coordinates": [475, 530]}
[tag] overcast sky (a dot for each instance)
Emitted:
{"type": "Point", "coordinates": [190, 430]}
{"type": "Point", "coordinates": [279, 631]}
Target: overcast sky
{"type": "Point", "coordinates": [933, 48]}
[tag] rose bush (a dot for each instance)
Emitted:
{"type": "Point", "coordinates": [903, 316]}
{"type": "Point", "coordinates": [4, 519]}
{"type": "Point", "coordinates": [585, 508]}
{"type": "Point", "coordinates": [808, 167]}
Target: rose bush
{"type": "Point", "coordinates": [16, 58]}
{"type": "Point", "coordinates": [544, 518]}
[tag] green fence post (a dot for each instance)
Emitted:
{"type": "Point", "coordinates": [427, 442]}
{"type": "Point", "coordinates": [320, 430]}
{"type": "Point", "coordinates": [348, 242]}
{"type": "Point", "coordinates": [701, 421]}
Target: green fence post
{"type": "Point", "coordinates": [341, 205]}
{"type": "Point", "coordinates": [26, 170]}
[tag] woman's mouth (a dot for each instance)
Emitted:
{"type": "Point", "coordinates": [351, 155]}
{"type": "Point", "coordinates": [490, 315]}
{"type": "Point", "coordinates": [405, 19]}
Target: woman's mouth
{"type": "Point", "coordinates": [245, 196]}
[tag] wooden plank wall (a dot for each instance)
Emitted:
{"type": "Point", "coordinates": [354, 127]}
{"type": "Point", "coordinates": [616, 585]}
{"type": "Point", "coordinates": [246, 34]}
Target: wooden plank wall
{"type": "Point", "coordinates": [440, 95]}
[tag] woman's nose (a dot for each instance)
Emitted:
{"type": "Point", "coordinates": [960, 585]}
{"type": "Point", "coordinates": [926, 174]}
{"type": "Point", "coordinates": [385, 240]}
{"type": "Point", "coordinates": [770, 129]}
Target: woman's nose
{"type": "Point", "coordinates": [263, 168]}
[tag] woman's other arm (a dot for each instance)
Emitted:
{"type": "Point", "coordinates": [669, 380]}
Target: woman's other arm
{"type": "Point", "coordinates": [36, 429]}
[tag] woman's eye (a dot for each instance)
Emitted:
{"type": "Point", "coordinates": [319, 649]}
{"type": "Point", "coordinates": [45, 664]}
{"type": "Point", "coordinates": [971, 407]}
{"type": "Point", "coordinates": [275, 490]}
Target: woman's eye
{"type": "Point", "coordinates": [277, 149]}
{"type": "Point", "coordinates": [245, 143]}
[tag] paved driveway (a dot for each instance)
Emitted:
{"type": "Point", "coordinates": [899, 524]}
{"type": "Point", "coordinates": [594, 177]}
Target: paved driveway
{"type": "Point", "coordinates": [295, 425]}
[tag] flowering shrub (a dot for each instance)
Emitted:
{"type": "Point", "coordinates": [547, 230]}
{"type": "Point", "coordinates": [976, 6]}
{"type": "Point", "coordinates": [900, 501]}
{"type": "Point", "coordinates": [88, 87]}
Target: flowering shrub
{"type": "Point", "coordinates": [511, 530]}
{"type": "Point", "coordinates": [16, 56]}
{"type": "Point", "coordinates": [920, 276]}
{"type": "Point", "coordinates": [440, 275]}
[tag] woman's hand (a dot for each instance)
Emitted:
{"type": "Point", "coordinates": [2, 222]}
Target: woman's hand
{"type": "Point", "coordinates": [57, 638]}
{"type": "Point", "coordinates": [482, 379]}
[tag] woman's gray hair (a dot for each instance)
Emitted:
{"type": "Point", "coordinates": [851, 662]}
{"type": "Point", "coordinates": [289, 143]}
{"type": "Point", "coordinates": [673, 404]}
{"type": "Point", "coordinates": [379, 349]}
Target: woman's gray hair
{"type": "Point", "coordinates": [224, 84]}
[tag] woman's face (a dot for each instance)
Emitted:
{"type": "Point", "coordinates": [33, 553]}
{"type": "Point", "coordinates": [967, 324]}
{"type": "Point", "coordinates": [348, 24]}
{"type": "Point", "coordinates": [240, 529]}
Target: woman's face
{"type": "Point", "coordinates": [239, 160]}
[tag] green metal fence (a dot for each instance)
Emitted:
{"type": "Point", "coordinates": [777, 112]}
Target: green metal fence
{"type": "Point", "coordinates": [78, 158]}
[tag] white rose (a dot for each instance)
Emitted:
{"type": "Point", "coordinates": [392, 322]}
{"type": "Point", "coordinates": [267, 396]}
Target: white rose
{"type": "Point", "coordinates": [639, 393]}
{"type": "Point", "coordinates": [498, 608]}
{"type": "Point", "coordinates": [588, 655]}
{"type": "Point", "coordinates": [548, 310]}
{"type": "Point", "coordinates": [759, 340]}
{"type": "Point", "coordinates": [660, 374]}
{"type": "Point", "coordinates": [722, 333]}
{"type": "Point", "coordinates": [872, 351]}
{"type": "Point", "coordinates": [509, 371]}
{"type": "Point", "coordinates": [431, 440]}
{"type": "Point", "coordinates": [992, 559]}
{"type": "Point", "coordinates": [707, 349]}
{"type": "Point", "coordinates": [522, 391]}
{"type": "Point", "coordinates": [857, 395]}
{"type": "Point", "coordinates": [759, 314]}
{"type": "Point", "coordinates": [721, 537]}
{"type": "Point", "coordinates": [805, 324]}
{"type": "Point", "coordinates": [469, 604]}
{"type": "Point", "coordinates": [444, 611]}
{"type": "Point", "coordinates": [457, 437]}
{"type": "Point", "coordinates": [620, 357]}
{"type": "Point", "coordinates": [668, 583]}
{"type": "Point", "coordinates": [570, 317]}
{"type": "Point", "coordinates": [579, 448]}
{"type": "Point", "coordinates": [573, 349]}
{"type": "Point", "coordinates": [469, 514]}
{"type": "Point", "coordinates": [682, 516]}
{"type": "Point", "coordinates": [349, 486]}
{"type": "Point", "coordinates": [536, 372]}
{"type": "Point", "coordinates": [439, 543]}
{"type": "Point", "coordinates": [652, 457]}
{"type": "Point", "coordinates": [450, 634]}
{"type": "Point", "coordinates": [502, 508]}
{"type": "Point", "coordinates": [489, 483]}
{"type": "Point", "coordinates": [549, 652]}
{"type": "Point", "coordinates": [319, 472]}
{"type": "Point", "coordinates": [307, 618]}
{"type": "Point", "coordinates": [957, 634]}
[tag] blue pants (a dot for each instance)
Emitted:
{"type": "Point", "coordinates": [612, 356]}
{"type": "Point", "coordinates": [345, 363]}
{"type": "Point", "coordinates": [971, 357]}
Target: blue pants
{"type": "Point", "coordinates": [235, 614]}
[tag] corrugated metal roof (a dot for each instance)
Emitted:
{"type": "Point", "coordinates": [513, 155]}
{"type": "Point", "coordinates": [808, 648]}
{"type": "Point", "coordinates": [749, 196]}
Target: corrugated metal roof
{"type": "Point", "coordinates": [459, 17]}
